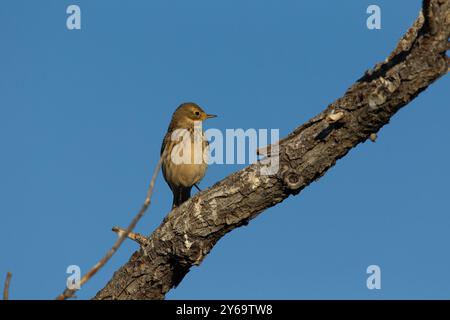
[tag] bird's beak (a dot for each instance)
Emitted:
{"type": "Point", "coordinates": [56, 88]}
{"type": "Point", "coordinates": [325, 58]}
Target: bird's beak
{"type": "Point", "coordinates": [209, 116]}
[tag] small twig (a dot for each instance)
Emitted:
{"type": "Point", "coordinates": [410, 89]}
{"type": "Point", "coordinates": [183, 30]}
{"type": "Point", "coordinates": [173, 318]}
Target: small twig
{"type": "Point", "coordinates": [6, 288]}
{"type": "Point", "coordinates": [139, 238]}
{"type": "Point", "coordinates": [68, 293]}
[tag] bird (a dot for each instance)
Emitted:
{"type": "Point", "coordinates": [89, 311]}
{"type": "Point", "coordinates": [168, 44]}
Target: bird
{"type": "Point", "coordinates": [181, 176]}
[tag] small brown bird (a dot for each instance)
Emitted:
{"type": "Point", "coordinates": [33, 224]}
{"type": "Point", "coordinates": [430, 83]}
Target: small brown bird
{"type": "Point", "coordinates": [183, 150]}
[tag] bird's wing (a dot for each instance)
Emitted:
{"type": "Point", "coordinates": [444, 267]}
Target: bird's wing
{"type": "Point", "coordinates": [165, 141]}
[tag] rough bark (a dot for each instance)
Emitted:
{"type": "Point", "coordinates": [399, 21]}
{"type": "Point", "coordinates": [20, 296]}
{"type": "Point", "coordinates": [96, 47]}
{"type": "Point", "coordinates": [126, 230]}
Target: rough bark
{"type": "Point", "coordinates": [189, 232]}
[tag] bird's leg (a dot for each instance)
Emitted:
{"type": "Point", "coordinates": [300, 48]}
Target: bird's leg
{"type": "Point", "coordinates": [197, 187]}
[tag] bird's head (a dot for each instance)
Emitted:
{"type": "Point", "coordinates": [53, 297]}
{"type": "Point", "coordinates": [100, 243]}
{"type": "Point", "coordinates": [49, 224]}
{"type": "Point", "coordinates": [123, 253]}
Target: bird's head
{"type": "Point", "coordinates": [189, 112]}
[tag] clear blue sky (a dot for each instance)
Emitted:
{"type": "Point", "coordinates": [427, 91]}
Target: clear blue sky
{"type": "Point", "coordinates": [83, 113]}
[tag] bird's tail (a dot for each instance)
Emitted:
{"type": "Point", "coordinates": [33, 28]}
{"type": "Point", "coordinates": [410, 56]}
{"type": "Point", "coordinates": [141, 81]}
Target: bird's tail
{"type": "Point", "coordinates": [180, 195]}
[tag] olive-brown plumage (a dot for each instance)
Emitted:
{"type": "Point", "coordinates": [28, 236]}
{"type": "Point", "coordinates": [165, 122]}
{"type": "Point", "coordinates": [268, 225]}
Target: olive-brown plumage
{"type": "Point", "coordinates": [181, 177]}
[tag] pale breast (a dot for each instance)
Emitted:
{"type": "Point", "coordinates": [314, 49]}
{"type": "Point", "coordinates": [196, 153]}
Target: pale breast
{"type": "Point", "coordinates": [185, 175]}
{"type": "Point", "coordinates": [186, 169]}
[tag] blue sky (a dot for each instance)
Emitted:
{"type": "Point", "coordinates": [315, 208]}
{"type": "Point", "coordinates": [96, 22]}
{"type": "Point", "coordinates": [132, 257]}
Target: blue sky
{"type": "Point", "coordinates": [83, 113]}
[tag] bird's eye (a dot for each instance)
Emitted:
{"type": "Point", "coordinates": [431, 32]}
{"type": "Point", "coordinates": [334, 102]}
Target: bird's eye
{"type": "Point", "coordinates": [197, 113]}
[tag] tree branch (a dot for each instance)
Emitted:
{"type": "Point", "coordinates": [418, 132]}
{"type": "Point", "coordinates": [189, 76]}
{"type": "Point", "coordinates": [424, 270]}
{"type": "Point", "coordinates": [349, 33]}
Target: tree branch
{"type": "Point", "coordinates": [139, 238]}
{"type": "Point", "coordinates": [189, 232]}
{"type": "Point", "coordinates": [6, 287]}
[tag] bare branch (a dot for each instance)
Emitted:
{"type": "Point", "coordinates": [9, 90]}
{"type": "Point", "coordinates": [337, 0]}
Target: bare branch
{"type": "Point", "coordinates": [139, 238]}
{"type": "Point", "coordinates": [190, 231]}
{"type": "Point", "coordinates": [6, 288]}
{"type": "Point", "coordinates": [68, 293]}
